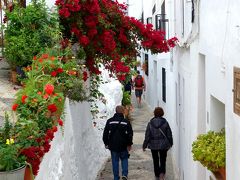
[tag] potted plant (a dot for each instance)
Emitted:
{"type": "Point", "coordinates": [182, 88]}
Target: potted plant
{"type": "Point", "coordinates": [39, 104]}
{"type": "Point", "coordinates": [12, 163]}
{"type": "Point", "coordinates": [26, 32]}
{"type": "Point", "coordinates": [210, 150]}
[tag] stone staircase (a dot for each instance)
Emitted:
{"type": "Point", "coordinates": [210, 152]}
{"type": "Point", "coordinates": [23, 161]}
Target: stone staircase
{"type": "Point", "coordinates": [7, 90]}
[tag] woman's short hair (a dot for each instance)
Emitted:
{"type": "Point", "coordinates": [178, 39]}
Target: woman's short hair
{"type": "Point", "coordinates": [158, 112]}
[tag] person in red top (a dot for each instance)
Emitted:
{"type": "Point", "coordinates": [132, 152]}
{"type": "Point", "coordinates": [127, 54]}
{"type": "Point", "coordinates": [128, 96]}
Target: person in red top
{"type": "Point", "coordinates": [139, 85]}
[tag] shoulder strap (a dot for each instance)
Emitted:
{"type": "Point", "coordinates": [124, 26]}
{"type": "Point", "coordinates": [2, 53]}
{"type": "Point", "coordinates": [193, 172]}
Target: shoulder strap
{"type": "Point", "coordinates": [164, 134]}
{"type": "Point", "coordinates": [160, 130]}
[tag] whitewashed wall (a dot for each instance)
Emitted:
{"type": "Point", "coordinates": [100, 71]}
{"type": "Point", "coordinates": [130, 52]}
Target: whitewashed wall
{"type": "Point", "coordinates": [77, 152]}
{"type": "Point", "coordinates": [199, 80]}
{"type": "Point", "coordinates": [212, 55]}
{"type": "Point", "coordinates": [73, 153]}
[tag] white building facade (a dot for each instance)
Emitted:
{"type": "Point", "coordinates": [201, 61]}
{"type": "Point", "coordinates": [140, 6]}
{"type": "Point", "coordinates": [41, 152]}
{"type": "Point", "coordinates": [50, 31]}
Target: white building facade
{"type": "Point", "coordinates": [195, 82]}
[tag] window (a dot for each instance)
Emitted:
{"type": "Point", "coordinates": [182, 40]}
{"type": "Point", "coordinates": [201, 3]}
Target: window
{"type": "Point", "coordinates": [163, 84]}
{"type": "Point", "coordinates": [236, 91]}
{"type": "Point", "coordinates": [183, 17]}
{"type": "Point", "coordinates": [193, 12]}
{"type": "Point", "coordinates": [161, 23]}
{"type": "Point", "coordinates": [149, 20]}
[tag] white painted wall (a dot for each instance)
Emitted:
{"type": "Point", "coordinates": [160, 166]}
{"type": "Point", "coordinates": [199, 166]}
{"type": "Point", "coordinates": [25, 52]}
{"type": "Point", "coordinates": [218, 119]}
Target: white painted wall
{"type": "Point", "coordinates": [199, 80]}
{"type": "Point", "coordinates": [218, 41]}
{"type": "Point", "coordinates": [77, 152]}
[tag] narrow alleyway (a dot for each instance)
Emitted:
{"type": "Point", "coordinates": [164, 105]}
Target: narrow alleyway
{"type": "Point", "coordinates": [140, 163]}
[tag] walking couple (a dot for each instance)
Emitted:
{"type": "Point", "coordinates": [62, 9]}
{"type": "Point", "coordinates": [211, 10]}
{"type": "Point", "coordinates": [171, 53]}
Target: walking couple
{"type": "Point", "coordinates": [118, 136]}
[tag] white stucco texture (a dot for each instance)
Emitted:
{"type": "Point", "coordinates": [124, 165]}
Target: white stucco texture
{"type": "Point", "coordinates": [77, 152]}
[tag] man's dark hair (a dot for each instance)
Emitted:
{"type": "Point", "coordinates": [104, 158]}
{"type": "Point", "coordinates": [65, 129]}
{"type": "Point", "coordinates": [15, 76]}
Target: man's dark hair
{"type": "Point", "coordinates": [138, 72]}
{"type": "Point", "coordinates": [158, 112]}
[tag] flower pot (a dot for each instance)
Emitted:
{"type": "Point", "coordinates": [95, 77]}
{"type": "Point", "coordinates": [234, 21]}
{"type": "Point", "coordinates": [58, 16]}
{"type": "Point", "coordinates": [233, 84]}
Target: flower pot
{"type": "Point", "coordinates": [17, 174]}
{"type": "Point", "coordinates": [13, 77]}
{"type": "Point", "coordinates": [28, 174]}
{"type": "Point", "coordinates": [220, 174]}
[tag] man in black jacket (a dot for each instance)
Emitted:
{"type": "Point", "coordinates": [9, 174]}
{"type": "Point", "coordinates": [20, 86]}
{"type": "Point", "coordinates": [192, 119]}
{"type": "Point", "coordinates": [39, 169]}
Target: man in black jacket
{"type": "Point", "coordinates": [117, 137]}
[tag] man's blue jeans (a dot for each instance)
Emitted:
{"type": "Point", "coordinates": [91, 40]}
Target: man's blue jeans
{"type": "Point", "coordinates": [115, 163]}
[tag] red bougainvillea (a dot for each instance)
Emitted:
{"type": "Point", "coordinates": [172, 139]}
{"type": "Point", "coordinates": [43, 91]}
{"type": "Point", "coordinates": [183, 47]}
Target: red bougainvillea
{"type": "Point", "coordinates": [107, 35]}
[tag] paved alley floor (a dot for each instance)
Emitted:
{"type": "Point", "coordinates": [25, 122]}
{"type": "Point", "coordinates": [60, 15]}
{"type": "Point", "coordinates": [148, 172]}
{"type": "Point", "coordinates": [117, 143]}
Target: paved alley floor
{"type": "Point", "coordinates": [7, 91]}
{"type": "Point", "coordinates": [140, 163]}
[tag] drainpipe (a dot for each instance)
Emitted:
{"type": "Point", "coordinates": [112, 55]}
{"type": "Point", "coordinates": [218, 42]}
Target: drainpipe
{"type": "Point", "coordinates": [195, 26]}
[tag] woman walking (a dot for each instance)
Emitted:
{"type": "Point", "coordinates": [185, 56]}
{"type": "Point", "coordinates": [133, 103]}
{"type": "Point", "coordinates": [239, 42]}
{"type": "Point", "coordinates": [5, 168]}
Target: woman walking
{"type": "Point", "coordinates": [158, 138]}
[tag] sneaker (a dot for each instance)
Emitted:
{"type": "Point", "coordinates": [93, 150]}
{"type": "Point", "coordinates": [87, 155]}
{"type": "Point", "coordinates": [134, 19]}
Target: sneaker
{"type": "Point", "coordinates": [124, 178]}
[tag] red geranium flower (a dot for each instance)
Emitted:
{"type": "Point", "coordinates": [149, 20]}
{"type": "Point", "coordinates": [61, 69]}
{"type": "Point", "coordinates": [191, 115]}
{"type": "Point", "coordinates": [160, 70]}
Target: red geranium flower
{"type": "Point", "coordinates": [45, 56]}
{"type": "Point", "coordinates": [54, 73]}
{"type": "Point", "coordinates": [49, 88]}
{"type": "Point", "coordinates": [59, 70]}
{"type": "Point", "coordinates": [45, 96]}
{"type": "Point", "coordinates": [24, 97]}
{"type": "Point", "coordinates": [60, 122]}
{"type": "Point", "coordinates": [14, 107]}
{"type": "Point", "coordinates": [52, 108]}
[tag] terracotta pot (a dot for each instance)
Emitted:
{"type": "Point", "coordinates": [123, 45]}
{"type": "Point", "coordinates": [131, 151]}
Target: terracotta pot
{"type": "Point", "coordinates": [17, 174]}
{"type": "Point", "coordinates": [28, 174]}
{"type": "Point", "coordinates": [220, 174]}
{"type": "Point", "coordinates": [13, 76]}
{"type": "Point", "coordinates": [222, 171]}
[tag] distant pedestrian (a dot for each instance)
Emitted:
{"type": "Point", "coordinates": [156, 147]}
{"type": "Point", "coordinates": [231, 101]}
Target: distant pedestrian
{"type": "Point", "coordinates": [117, 137]}
{"type": "Point", "coordinates": [158, 138]}
{"type": "Point", "coordinates": [128, 86]}
{"type": "Point", "coordinates": [139, 85]}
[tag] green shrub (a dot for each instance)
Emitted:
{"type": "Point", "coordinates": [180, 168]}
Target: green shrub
{"type": "Point", "coordinates": [28, 31]}
{"type": "Point", "coordinates": [210, 149]}
{"type": "Point", "coordinates": [126, 100]}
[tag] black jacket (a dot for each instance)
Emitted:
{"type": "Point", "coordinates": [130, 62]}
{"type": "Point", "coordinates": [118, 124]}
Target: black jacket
{"type": "Point", "coordinates": [154, 139]}
{"type": "Point", "coordinates": [118, 136]}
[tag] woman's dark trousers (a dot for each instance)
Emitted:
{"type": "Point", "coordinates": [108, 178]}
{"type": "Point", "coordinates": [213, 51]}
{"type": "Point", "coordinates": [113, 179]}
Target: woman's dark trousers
{"type": "Point", "coordinates": [159, 161]}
